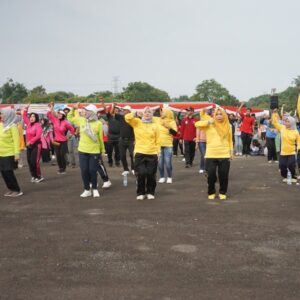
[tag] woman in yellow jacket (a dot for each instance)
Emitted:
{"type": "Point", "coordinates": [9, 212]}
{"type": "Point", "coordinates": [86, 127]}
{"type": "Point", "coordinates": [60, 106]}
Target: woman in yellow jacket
{"type": "Point", "coordinates": [167, 129]}
{"type": "Point", "coordinates": [219, 150]}
{"type": "Point", "coordinates": [90, 146]}
{"type": "Point", "coordinates": [146, 151]}
{"type": "Point", "coordinates": [290, 141]}
{"type": "Point", "coordinates": [9, 151]}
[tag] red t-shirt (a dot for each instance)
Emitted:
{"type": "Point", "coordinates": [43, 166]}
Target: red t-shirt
{"type": "Point", "coordinates": [188, 129]}
{"type": "Point", "coordinates": [247, 124]}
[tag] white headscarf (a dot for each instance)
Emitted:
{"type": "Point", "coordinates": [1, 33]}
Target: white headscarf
{"type": "Point", "coordinates": [292, 122]}
{"type": "Point", "coordinates": [8, 117]}
{"type": "Point", "coordinates": [145, 109]}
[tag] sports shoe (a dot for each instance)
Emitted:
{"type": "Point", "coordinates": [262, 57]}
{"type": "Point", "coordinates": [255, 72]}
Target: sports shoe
{"type": "Point", "coordinates": [276, 161]}
{"type": "Point", "coordinates": [269, 161]}
{"type": "Point", "coordinates": [212, 197]}
{"type": "Point", "coordinates": [150, 197]}
{"type": "Point", "coordinates": [61, 172]}
{"type": "Point", "coordinates": [16, 194]}
{"type": "Point", "coordinates": [201, 171]}
{"type": "Point", "coordinates": [169, 180]}
{"type": "Point", "coordinates": [294, 180]}
{"type": "Point", "coordinates": [86, 193]}
{"type": "Point", "coordinates": [125, 173]}
{"type": "Point", "coordinates": [32, 179]}
{"type": "Point", "coordinates": [8, 194]}
{"type": "Point", "coordinates": [298, 177]}
{"type": "Point", "coordinates": [140, 197]}
{"type": "Point", "coordinates": [162, 180]}
{"type": "Point", "coordinates": [96, 194]}
{"type": "Point", "coordinates": [106, 184]}
{"type": "Point", "coordinates": [284, 180]}
{"type": "Point", "coordinates": [38, 180]}
{"type": "Point", "coordinates": [132, 171]}
{"type": "Point", "coordinates": [183, 159]}
{"type": "Point", "coordinates": [222, 197]}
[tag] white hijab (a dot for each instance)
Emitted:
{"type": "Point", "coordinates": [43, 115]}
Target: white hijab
{"type": "Point", "coordinates": [8, 117]}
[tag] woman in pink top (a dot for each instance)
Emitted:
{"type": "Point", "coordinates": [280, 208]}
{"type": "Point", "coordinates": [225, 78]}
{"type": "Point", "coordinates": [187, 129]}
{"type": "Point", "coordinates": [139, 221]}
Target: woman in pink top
{"type": "Point", "coordinates": [33, 143]}
{"type": "Point", "coordinates": [60, 128]}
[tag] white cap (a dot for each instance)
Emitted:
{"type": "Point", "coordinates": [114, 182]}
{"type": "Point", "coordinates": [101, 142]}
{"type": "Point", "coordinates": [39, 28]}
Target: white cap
{"type": "Point", "coordinates": [60, 111]}
{"type": "Point", "coordinates": [127, 107]}
{"type": "Point", "coordinates": [91, 107]}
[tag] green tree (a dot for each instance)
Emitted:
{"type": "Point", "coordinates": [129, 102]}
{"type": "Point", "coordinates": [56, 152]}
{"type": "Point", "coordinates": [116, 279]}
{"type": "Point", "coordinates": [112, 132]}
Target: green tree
{"type": "Point", "coordinates": [13, 92]}
{"type": "Point", "coordinates": [296, 81]}
{"type": "Point", "coordinates": [212, 91]}
{"type": "Point", "coordinates": [143, 92]}
{"type": "Point", "coordinates": [38, 91]}
{"type": "Point", "coordinates": [182, 98]}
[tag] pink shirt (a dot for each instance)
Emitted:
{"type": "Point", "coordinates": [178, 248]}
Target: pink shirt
{"type": "Point", "coordinates": [46, 140]}
{"type": "Point", "coordinates": [33, 130]}
{"type": "Point", "coordinates": [60, 128]}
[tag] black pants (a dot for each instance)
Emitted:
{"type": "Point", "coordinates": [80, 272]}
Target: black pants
{"type": "Point", "coordinates": [175, 147]}
{"type": "Point", "coordinates": [11, 180]}
{"type": "Point", "coordinates": [189, 152]}
{"type": "Point", "coordinates": [125, 144]}
{"type": "Point", "coordinates": [113, 146]}
{"type": "Point", "coordinates": [145, 167]}
{"type": "Point", "coordinates": [223, 165]}
{"type": "Point", "coordinates": [246, 140]}
{"type": "Point", "coordinates": [287, 162]}
{"type": "Point", "coordinates": [33, 160]}
{"type": "Point", "coordinates": [270, 143]}
{"type": "Point", "coordinates": [60, 151]}
{"type": "Point", "coordinates": [102, 170]}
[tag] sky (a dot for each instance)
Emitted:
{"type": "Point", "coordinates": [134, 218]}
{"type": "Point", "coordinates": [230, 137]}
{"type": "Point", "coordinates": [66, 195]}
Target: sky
{"type": "Point", "coordinates": [79, 46]}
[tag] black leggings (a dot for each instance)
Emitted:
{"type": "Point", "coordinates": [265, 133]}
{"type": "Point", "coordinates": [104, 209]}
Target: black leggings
{"type": "Point", "coordinates": [223, 166]}
{"type": "Point", "coordinates": [145, 167]}
{"type": "Point", "coordinates": [272, 155]}
{"type": "Point", "coordinates": [287, 162]}
{"type": "Point", "coordinates": [11, 180]}
{"type": "Point", "coordinates": [60, 151]}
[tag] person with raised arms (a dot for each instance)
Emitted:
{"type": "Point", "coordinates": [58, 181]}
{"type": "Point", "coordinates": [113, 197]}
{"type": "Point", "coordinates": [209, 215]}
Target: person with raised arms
{"type": "Point", "coordinates": [146, 150]}
{"type": "Point", "coordinates": [90, 146]}
{"type": "Point", "coordinates": [219, 151]}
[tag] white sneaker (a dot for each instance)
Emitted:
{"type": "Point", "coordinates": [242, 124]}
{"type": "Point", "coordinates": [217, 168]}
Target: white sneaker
{"type": "Point", "coordinates": [150, 197]}
{"type": "Point", "coordinates": [132, 171]}
{"type": "Point", "coordinates": [298, 177]}
{"type": "Point", "coordinates": [96, 193]}
{"type": "Point", "coordinates": [269, 161]}
{"type": "Point", "coordinates": [276, 161]}
{"type": "Point", "coordinates": [201, 171]}
{"type": "Point", "coordinates": [106, 184]}
{"type": "Point", "coordinates": [32, 179]}
{"type": "Point", "coordinates": [86, 193]}
{"type": "Point", "coordinates": [169, 180]}
{"type": "Point", "coordinates": [125, 173]}
{"type": "Point", "coordinates": [140, 197]}
{"type": "Point", "coordinates": [53, 157]}
{"type": "Point", "coordinates": [38, 180]}
{"type": "Point", "coordinates": [162, 180]}
{"type": "Point", "coordinates": [183, 159]}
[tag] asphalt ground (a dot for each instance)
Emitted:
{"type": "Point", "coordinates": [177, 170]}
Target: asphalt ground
{"type": "Point", "coordinates": [56, 245]}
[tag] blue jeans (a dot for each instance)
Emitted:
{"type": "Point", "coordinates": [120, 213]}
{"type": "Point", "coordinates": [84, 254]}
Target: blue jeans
{"type": "Point", "coordinates": [166, 154]}
{"type": "Point", "coordinates": [88, 165]}
{"type": "Point", "coordinates": [202, 149]}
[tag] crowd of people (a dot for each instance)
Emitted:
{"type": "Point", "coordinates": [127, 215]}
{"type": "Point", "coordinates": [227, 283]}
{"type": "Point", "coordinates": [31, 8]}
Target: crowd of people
{"type": "Point", "coordinates": [149, 139]}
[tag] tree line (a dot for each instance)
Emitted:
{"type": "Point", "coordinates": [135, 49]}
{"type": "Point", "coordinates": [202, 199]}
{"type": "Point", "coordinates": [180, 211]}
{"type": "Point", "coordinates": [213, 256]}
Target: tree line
{"type": "Point", "coordinates": [207, 91]}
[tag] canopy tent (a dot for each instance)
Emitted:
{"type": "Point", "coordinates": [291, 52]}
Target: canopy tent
{"type": "Point", "coordinates": [174, 106]}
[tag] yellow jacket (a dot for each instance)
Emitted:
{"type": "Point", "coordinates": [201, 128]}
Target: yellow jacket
{"type": "Point", "coordinates": [167, 119]}
{"type": "Point", "coordinates": [86, 144]}
{"type": "Point", "coordinates": [21, 135]}
{"type": "Point", "coordinates": [9, 141]}
{"type": "Point", "coordinates": [147, 138]}
{"type": "Point", "coordinates": [289, 137]}
{"type": "Point", "coordinates": [216, 147]}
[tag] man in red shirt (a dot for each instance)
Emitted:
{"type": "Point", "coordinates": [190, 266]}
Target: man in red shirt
{"type": "Point", "coordinates": [247, 129]}
{"type": "Point", "coordinates": [188, 135]}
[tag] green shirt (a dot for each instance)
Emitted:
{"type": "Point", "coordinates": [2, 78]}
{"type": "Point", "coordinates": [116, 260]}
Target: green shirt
{"type": "Point", "coordinates": [86, 144]}
{"type": "Point", "coordinates": [9, 141]}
